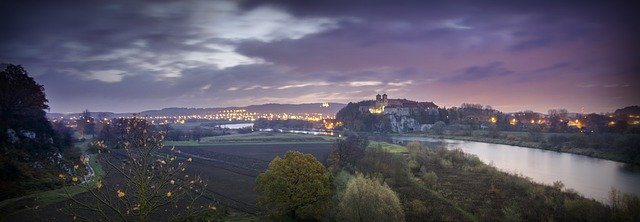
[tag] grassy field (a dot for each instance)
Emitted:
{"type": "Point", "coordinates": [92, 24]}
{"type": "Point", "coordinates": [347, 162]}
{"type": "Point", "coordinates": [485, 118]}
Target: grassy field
{"type": "Point", "coordinates": [389, 147]}
{"type": "Point", "coordinates": [255, 138]}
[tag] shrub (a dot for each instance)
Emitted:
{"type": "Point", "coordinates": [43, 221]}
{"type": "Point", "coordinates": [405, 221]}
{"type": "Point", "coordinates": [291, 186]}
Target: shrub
{"type": "Point", "coordinates": [415, 149]}
{"type": "Point", "coordinates": [345, 153]}
{"type": "Point", "coordinates": [392, 167]}
{"type": "Point", "coordinates": [430, 179]}
{"type": "Point", "coordinates": [416, 209]}
{"type": "Point", "coordinates": [510, 214]}
{"type": "Point", "coordinates": [625, 207]}
{"type": "Point", "coordinates": [369, 200]}
{"type": "Point", "coordinates": [438, 127]}
{"type": "Point", "coordinates": [296, 186]}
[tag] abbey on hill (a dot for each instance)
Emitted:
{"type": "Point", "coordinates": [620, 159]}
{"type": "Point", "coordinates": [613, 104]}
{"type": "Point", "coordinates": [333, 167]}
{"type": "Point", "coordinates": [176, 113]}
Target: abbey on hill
{"type": "Point", "coordinates": [384, 114]}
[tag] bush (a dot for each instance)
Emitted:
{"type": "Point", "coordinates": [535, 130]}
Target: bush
{"type": "Point", "coordinates": [369, 200]}
{"type": "Point", "coordinates": [345, 153]}
{"type": "Point", "coordinates": [557, 141]}
{"type": "Point", "coordinates": [625, 207]}
{"type": "Point", "coordinates": [416, 209]}
{"type": "Point", "coordinates": [438, 127]}
{"type": "Point", "coordinates": [430, 179]}
{"type": "Point", "coordinates": [510, 214]}
{"type": "Point", "coordinates": [296, 186]}
{"type": "Point", "coordinates": [394, 168]}
{"type": "Point", "coordinates": [415, 149]}
{"type": "Point", "coordinates": [630, 146]}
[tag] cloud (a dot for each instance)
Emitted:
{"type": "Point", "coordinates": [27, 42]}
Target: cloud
{"type": "Point", "coordinates": [109, 76]}
{"type": "Point", "coordinates": [479, 72]}
{"type": "Point", "coordinates": [133, 55]}
{"type": "Point", "coordinates": [257, 87]}
{"type": "Point", "coordinates": [227, 21]}
{"type": "Point", "coordinates": [365, 83]}
{"type": "Point", "coordinates": [404, 83]}
{"type": "Point", "coordinates": [304, 85]}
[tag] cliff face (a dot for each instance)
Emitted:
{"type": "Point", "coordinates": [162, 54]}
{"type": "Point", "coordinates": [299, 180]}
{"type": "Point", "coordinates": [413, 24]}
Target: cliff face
{"type": "Point", "coordinates": [400, 116]}
{"type": "Point", "coordinates": [403, 123]}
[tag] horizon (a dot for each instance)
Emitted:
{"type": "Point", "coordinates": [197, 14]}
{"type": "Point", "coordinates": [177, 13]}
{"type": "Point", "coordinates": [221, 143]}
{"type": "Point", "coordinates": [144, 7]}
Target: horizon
{"type": "Point", "coordinates": [124, 56]}
{"type": "Point", "coordinates": [225, 107]}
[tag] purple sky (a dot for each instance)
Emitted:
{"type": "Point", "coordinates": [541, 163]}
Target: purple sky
{"type": "Point", "coordinates": [128, 56]}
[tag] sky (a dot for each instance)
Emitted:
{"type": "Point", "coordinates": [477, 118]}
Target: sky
{"type": "Point", "coordinates": [130, 56]}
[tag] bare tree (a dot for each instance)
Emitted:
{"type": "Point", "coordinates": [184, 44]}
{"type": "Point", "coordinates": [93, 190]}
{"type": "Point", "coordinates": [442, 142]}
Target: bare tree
{"type": "Point", "coordinates": [142, 183]}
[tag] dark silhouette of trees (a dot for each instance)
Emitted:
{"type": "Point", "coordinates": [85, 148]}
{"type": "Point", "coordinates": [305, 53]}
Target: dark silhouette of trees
{"type": "Point", "coordinates": [345, 153]}
{"type": "Point", "coordinates": [86, 124]}
{"type": "Point", "coordinates": [31, 151]}
{"type": "Point", "coordinates": [22, 104]}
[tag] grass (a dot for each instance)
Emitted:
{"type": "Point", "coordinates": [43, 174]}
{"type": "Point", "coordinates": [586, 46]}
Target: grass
{"type": "Point", "coordinates": [53, 196]}
{"type": "Point", "coordinates": [389, 147]}
{"type": "Point", "coordinates": [267, 138]}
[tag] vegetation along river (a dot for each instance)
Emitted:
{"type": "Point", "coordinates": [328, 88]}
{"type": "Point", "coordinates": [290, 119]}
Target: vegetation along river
{"type": "Point", "coordinates": [591, 177]}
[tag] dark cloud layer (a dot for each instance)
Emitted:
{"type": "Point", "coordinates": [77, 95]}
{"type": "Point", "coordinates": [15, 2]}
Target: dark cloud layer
{"type": "Point", "coordinates": [513, 55]}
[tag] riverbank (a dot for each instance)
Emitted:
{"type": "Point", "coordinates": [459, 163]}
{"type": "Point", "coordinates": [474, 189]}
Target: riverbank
{"type": "Point", "coordinates": [590, 152]}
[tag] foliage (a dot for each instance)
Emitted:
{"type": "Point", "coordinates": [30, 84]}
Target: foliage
{"type": "Point", "coordinates": [345, 153]}
{"type": "Point", "coordinates": [296, 187]}
{"type": "Point", "coordinates": [358, 120]}
{"type": "Point", "coordinates": [625, 207]}
{"type": "Point", "coordinates": [415, 209]}
{"type": "Point", "coordinates": [86, 124]}
{"type": "Point", "coordinates": [438, 128]}
{"type": "Point", "coordinates": [151, 181]}
{"type": "Point", "coordinates": [32, 152]}
{"type": "Point", "coordinates": [369, 200]}
{"type": "Point", "coordinates": [392, 168]}
{"type": "Point", "coordinates": [430, 179]}
{"type": "Point", "coordinates": [389, 147]}
{"type": "Point", "coordinates": [630, 146]}
{"type": "Point", "coordinates": [415, 149]}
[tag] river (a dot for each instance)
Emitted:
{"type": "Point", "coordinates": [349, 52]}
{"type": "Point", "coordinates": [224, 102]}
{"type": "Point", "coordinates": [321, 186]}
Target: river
{"type": "Point", "coordinates": [591, 177]}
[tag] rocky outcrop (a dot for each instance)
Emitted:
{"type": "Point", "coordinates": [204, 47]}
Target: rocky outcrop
{"type": "Point", "coordinates": [403, 123]}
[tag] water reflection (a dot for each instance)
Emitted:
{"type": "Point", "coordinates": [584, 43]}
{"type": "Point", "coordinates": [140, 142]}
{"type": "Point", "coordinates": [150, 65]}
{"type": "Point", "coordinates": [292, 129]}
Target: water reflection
{"type": "Point", "coordinates": [589, 176]}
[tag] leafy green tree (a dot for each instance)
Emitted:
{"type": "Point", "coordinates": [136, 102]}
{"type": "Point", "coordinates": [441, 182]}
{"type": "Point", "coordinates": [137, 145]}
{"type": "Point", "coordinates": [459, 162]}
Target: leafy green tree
{"type": "Point", "coordinates": [346, 153]}
{"type": "Point", "coordinates": [369, 200]}
{"type": "Point", "coordinates": [296, 186]}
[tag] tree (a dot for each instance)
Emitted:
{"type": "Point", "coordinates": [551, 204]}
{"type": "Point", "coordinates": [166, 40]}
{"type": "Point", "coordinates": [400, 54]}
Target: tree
{"type": "Point", "coordinates": [369, 200]}
{"type": "Point", "coordinates": [31, 151]}
{"type": "Point", "coordinates": [345, 153]}
{"type": "Point", "coordinates": [296, 186]}
{"type": "Point", "coordinates": [438, 127]}
{"type": "Point", "coordinates": [22, 104]}
{"type": "Point", "coordinates": [149, 182]}
{"type": "Point", "coordinates": [86, 124]}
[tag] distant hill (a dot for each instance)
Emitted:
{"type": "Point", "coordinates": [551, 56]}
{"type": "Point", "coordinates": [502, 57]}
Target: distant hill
{"type": "Point", "coordinates": [264, 108]}
{"type": "Point", "coordinates": [629, 110]}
